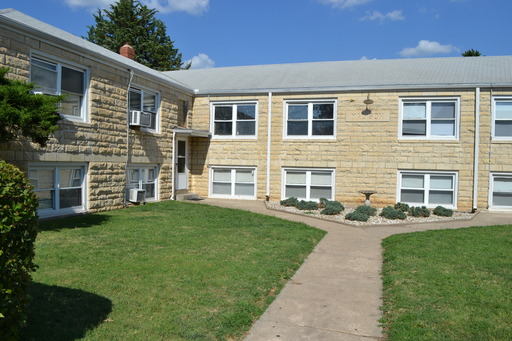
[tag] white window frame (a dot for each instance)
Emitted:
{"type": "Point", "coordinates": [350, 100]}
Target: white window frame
{"type": "Point", "coordinates": [141, 182]}
{"type": "Point", "coordinates": [56, 168]}
{"type": "Point", "coordinates": [426, 187]}
{"type": "Point", "coordinates": [496, 99]}
{"type": "Point", "coordinates": [428, 101]}
{"type": "Point", "coordinates": [59, 63]}
{"type": "Point", "coordinates": [491, 192]}
{"type": "Point", "coordinates": [233, 182]}
{"type": "Point", "coordinates": [234, 119]}
{"type": "Point", "coordinates": [154, 114]}
{"type": "Point", "coordinates": [310, 119]}
{"type": "Point", "coordinates": [308, 184]}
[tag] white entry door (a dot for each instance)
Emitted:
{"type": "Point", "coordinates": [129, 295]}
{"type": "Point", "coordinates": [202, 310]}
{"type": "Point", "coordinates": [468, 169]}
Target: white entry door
{"type": "Point", "coordinates": [182, 165]}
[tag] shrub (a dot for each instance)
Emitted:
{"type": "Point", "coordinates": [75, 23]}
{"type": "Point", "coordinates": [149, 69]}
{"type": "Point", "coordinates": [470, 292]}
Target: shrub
{"type": "Point", "coordinates": [441, 211]}
{"type": "Point", "coordinates": [402, 206]}
{"type": "Point", "coordinates": [392, 213]}
{"type": "Point", "coordinates": [332, 208]}
{"type": "Point", "coordinates": [368, 210]}
{"type": "Point", "coordinates": [291, 201]}
{"type": "Point", "coordinates": [306, 205]}
{"type": "Point", "coordinates": [419, 211]}
{"type": "Point", "coordinates": [322, 202]}
{"type": "Point", "coordinates": [358, 216]}
{"type": "Point", "coordinates": [18, 231]}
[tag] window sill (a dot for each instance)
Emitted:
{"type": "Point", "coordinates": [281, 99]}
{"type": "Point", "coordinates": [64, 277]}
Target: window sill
{"type": "Point", "coordinates": [501, 141]}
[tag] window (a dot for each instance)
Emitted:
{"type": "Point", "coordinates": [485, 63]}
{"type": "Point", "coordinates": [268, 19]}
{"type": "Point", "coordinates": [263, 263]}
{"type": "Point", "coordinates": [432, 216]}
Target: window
{"type": "Point", "coordinates": [428, 189]}
{"type": "Point", "coordinates": [310, 119]}
{"type": "Point", "coordinates": [59, 189]}
{"type": "Point", "coordinates": [308, 184]}
{"type": "Point", "coordinates": [430, 119]}
{"type": "Point", "coordinates": [146, 101]}
{"type": "Point", "coordinates": [501, 191]}
{"type": "Point", "coordinates": [143, 177]}
{"type": "Point", "coordinates": [53, 78]}
{"type": "Point", "coordinates": [234, 120]}
{"type": "Point", "coordinates": [233, 182]}
{"type": "Point", "coordinates": [502, 119]}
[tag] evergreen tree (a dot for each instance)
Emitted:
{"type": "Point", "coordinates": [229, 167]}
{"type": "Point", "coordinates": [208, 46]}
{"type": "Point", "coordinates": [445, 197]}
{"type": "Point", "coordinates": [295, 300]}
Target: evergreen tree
{"type": "Point", "coordinates": [23, 113]}
{"type": "Point", "coordinates": [128, 21]}
{"type": "Point", "coordinates": [471, 53]}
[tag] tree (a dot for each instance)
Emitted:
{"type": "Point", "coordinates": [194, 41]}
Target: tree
{"type": "Point", "coordinates": [23, 113]}
{"type": "Point", "coordinates": [129, 21]}
{"type": "Point", "coordinates": [471, 53]}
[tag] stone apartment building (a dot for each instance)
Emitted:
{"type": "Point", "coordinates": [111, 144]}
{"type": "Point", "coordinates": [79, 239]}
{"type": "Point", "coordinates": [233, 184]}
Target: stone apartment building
{"type": "Point", "coordinates": [423, 131]}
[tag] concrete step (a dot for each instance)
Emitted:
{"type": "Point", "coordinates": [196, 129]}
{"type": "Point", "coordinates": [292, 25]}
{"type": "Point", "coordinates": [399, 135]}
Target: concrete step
{"type": "Point", "coordinates": [187, 196]}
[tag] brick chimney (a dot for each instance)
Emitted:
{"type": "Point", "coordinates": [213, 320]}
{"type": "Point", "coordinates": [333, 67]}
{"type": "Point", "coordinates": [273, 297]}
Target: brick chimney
{"type": "Point", "coordinates": [127, 51]}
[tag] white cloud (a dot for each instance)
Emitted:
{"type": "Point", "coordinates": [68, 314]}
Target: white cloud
{"type": "Point", "coordinates": [366, 58]}
{"type": "Point", "coordinates": [195, 7]}
{"type": "Point", "coordinates": [376, 15]}
{"type": "Point", "coordinates": [342, 4]}
{"type": "Point", "coordinates": [201, 61]}
{"type": "Point", "coordinates": [427, 48]}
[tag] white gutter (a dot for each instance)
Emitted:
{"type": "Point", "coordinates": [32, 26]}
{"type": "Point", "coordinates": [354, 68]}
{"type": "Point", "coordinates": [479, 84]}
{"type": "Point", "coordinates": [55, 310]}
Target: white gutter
{"type": "Point", "coordinates": [477, 149]}
{"type": "Point", "coordinates": [269, 144]}
{"type": "Point", "coordinates": [173, 166]}
{"type": "Point", "coordinates": [128, 129]}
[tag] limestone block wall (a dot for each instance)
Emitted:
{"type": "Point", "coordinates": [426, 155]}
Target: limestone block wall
{"type": "Point", "coordinates": [366, 153]}
{"type": "Point", "coordinates": [102, 141]}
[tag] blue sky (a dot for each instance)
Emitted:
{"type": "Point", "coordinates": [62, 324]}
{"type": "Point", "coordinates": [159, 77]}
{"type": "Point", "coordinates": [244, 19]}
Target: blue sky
{"type": "Point", "coordinates": [217, 33]}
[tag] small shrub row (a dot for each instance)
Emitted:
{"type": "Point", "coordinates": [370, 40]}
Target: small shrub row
{"type": "Point", "coordinates": [328, 207]}
{"type": "Point", "coordinates": [419, 212]}
{"type": "Point", "coordinates": [441, 211]}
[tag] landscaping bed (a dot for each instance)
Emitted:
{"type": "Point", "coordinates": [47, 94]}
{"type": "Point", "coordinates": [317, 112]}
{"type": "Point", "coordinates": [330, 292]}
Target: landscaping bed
{"type": "Point", "coordinates": [377, 219]}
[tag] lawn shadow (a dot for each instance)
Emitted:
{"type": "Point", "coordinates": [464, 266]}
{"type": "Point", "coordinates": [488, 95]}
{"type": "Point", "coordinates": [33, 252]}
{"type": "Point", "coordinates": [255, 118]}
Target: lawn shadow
{"type": "Point", "coordinates": [63, 314]}
{"type": "Point", "coordinates": [73, 222]}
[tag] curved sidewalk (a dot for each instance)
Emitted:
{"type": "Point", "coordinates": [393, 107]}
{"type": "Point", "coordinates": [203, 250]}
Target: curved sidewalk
{"type": "Point", "coordinates": [336, 293]}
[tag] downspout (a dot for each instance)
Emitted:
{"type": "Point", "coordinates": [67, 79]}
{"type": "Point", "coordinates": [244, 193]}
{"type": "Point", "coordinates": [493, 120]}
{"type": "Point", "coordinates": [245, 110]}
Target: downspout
{"type": "Point", "coordinates": [127, 132]}
{"type": "Point", "coordinates": [173, 166]}
{"type": "Point", "coordinates": [477, 149]}
{"type": "Point", "coordinates": [269, 143]}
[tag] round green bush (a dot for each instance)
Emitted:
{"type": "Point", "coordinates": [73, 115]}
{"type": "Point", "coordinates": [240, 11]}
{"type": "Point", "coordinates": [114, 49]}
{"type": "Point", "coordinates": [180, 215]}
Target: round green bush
{"type": "Point", "coordinates": [368, 210]}
{"type": "Point", "coordinates": [393, 213]}
{"type": "Point", "coordinates": [332, 208]}
{"type": "Point", "coordinates": [442, 211]}
{"type": "Point", "coordinates": [357, 216]}
{"type": "Point", "coordinates": [402, 206]}
{"type": "Point", "coordinates": [18, 231]}
{"type": "Point", "coordinates": [291, 201]}
{"type": "Point", "coordinates": [307, 205]}
{"type": "Point", "coordinates": [419, 212]}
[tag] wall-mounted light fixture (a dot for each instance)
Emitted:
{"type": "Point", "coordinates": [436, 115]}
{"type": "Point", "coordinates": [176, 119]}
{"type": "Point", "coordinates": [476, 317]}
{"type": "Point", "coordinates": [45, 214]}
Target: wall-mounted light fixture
{"type": "Point", "coordinates": [367, 101]}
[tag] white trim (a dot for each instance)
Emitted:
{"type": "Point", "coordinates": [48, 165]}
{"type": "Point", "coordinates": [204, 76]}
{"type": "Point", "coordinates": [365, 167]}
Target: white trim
{"type": "Point", "coordinates": [426, 187]}
{"type": "Point", "coordinates": [56, 167]}
{"type": "Point", "coordinates": [308, 172]}
{"type": "Point", "coordinates": [476, 150]}
{"type": "Point", "coordinates": [492, 207]}
{"type": "Point", "coordinates": [233, 182]}
{"type": "Point", "coordinates": [309, 102]}
{"type": "Point", "coordinates": [142, 90]}
{"type": "Point", "coordinates": [269, 145]}
{"type": "Point", "coordinates": [428, 101]}
{"type": "Point", "coordinates": [493, 120]}
{"type": "Point", "coordinates": [233, 135]}
{"type": "Point", "coordinates": [84, 110]}
{"type": "Point", "coordinates": [139, 167]}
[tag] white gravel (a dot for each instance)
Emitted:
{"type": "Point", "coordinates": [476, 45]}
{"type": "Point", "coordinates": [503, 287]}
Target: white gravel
{"type": "Point", "coordinates": [376, 220]}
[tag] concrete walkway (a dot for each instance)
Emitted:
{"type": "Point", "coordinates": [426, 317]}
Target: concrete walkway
{"type": "Point", "coordinates": [336, 293]}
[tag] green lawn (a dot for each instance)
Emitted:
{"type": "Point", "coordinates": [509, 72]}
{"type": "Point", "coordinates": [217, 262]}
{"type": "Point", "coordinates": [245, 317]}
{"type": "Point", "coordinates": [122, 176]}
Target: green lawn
{"type": "Point", "coordinates": [163, 271]}
{"type": "Point", "coordinates": [449, 284]}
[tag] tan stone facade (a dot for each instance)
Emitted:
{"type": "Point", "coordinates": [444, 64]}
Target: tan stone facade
{"type": "Point", "coordinates": [366, 151]}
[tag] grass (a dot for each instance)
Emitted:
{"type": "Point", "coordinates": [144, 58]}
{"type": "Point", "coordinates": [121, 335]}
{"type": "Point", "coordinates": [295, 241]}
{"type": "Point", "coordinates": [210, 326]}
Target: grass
{"type": "Point", "coordinates": [449, 285]}
{"type": "Point", "coordinates": [163, 271]}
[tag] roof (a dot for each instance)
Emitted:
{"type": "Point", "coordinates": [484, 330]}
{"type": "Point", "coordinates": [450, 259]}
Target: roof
{"type": "Point", "coordinates": [454, 72]}
{"type": "Point", "coordinates": [57, 36]}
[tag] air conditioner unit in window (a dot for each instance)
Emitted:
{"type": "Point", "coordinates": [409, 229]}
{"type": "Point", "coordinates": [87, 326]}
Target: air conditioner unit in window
{"type": "Point", "coordinates": [137, 195]}
{"type": "Point", "coordinates": [140, 118]}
